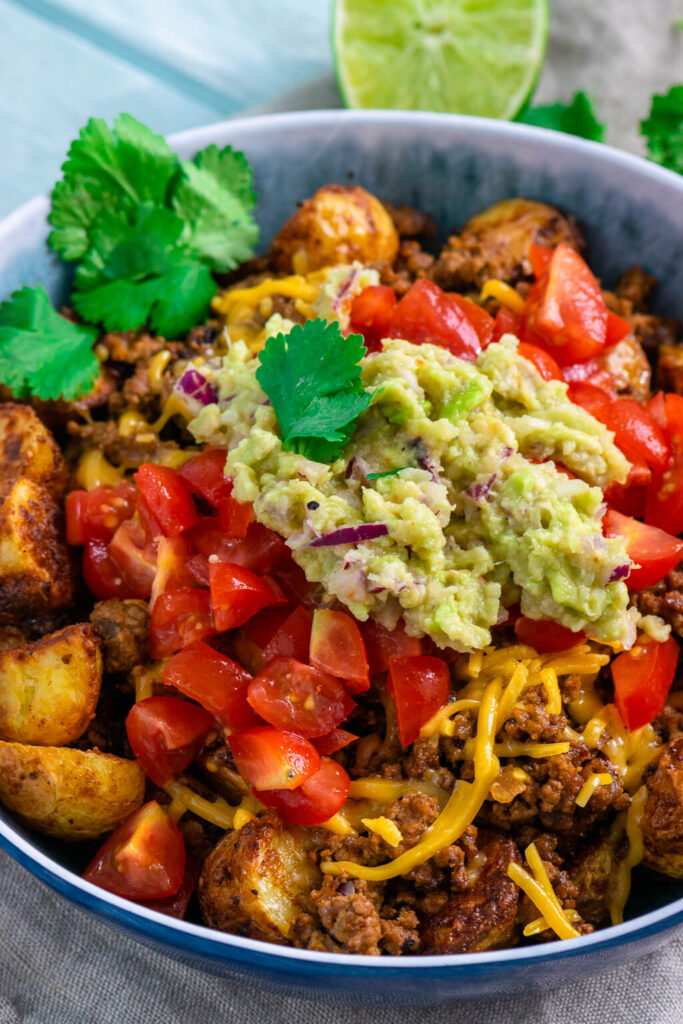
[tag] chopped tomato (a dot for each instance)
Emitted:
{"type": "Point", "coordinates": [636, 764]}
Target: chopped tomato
{"type": "Point", "coordinates": [217, 682]}
{"type": "Point", "coordinates": [166, 734]}
{"type": "Point", "coordinates": [268, 758]}
{"type": "Point", "coordinates": [168, 497]}
{"type": "Point", "coordinates": [262, 550]}
{"type": "Point", "coordinates": [234, 517]}
{"type": "Point", "coordinates": [337, 647]}
{"type": "Point", "coordinates": [664, 498]}
{"type": "Point", "coordinates": [617, 329]}
{"type": "Point", "coordinates": [237, 594]}
{"type": "Point", "coordinates": [296, 697]}
{"type": "Point", "coordinates": [654, 552]}
{"type": "Point", "coordinates": [291, 638]}
{"type": "Point", "coordinates": [143, 859]}
{"type": "Point", "coordinates": [176, 905]}
{"type": "Point", "coordinates": [590, 397]}
{"type": "Point", "coordinates": [545, 636]}
{"type": "Point", "coordinates": [566, 308]}
{"type": "Point", "coordinates": [636, 432]}
{"type": "Point", "coordinates": [135, 556]}
{"type": "Point", "coordinates": [205, 475]}
{"type": "Point", "coordinates": [543, 361]}
{"type": "Point", "coordinates": [371, 314]}
{"type": "Point", "coordinates": [316, 800]}
{"type": "Point", "coordinates": [642, 680]}
{"type": "Point", "coordinates": [178, 618]}
{"type": "Point", "coordinates": [419, 686]}
{"type": "Point", "coordinates": [506, 322]}
{"type": "Point", "coordinates": [540, 256]}
{"type": "Point", "coordinates": [481, 320]}
{"type": "Point", "coordinates": [102, 575]}
{"type": "Point", "coordinates": [629, 497]}
{"type": "Point", "coordinates": [656, 406]}
{"type": "Point", "coordinates": [98, 513]}
{"type": "Point", "coordinates": [333, 741]}
{"type": "Point", "coordinates": [592, 372]}
{"type": "Point", "coordinates": [172, 570]}
{"type": "Point", "coordinates": [428, 314]}
{"type": "Point", "coordinates": [383, 644]}
{"type": "Point", "coordinates": [292, 579]}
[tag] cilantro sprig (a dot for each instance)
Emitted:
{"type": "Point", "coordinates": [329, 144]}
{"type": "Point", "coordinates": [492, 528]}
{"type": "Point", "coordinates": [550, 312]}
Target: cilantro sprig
{"type": "Point", "coordinates": [575, 118]}
{"type": "Point", "coordinates": [312, 377]}
{"type": "Point", "coordinates": [663, 129]}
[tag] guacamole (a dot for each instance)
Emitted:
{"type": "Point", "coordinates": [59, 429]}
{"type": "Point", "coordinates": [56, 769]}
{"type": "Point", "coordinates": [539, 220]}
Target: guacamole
{"type": "Point", "coordinates": [452, 459]}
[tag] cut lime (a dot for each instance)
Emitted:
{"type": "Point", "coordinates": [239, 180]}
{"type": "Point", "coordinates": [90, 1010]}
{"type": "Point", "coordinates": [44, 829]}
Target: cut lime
{"type": "Point", "coordinates": [457, 56]}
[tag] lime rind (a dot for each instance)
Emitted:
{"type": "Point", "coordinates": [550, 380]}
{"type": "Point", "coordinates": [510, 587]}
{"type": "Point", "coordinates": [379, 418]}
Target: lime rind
{"type": "Point", "coordinates": [480, 57]}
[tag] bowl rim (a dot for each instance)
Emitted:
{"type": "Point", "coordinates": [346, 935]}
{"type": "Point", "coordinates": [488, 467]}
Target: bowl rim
{"type": "Point", "coordinates": [224, 946]}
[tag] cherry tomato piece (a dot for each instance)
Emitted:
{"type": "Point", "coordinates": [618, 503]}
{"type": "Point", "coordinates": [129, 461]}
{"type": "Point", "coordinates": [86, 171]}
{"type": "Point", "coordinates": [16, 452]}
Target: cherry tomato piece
{"type": "Point", "coordinates": [135, 556]}
{"type": "Point", "coordinates": [179, 617]}
{"type": "Point", "coordinates": [655, 552]}
{"type": "Point", "coordinates": [642, 679]}
{"type": "Point", "coordinates": [333, 741]}
{"type": "Point", "coordinates": [172, 570]}
{"type": "Point", "coordinates": [617, 329]}
{"type": "Point", "coordinates": [98, 513]}
{"type": "Point", "coordinates": [166, 734]}
{"type": "Point", "coordinates": [102, 575]}
{"type": "Point", "coordinates": [262, 550]}
{"type": "Point", "coordinates": [237, 594]}
{"type": "Point", "coordinates": [268, 758]}
{"type": "Point", "coordinates": [234, 517]}
{"type": "Point", "coordinates": [540, 256]}
{"type": "Point", "coordinates": [383, 644]}
{"type": "Point", "coordinates": [176, 905]}
{"type": "Point", "coordinates": [428, 314]}
{"type": "Point", "coordinates": [143, 859]}
{"type": "Point", "coordinates": [419, 686]}
{"type": "Point", "coordinates": [316, 800]}
{"type": "Point", "coordinates": [371, 312]}
{"type": "Point", "coordinates": [664, 497]}
{"type": "Point", "coordinates": [543, 361]}
{"type": "Point", "coordinates": [298, 698]}
{"type": "Point", "coordinates": [506, 322]}
{"type": "Point", "coordinates": [545, 636]}
{"type": "Point", "coordinates": [204, 475]}
{"type": "Point", "coordinates": [215, 681]}
{"type": "Point", "coordinates": [168, 497]}
{"type": "Point", "coordinates": [337, 647]}
{"type": "Point", "coordinates": [481, 320]}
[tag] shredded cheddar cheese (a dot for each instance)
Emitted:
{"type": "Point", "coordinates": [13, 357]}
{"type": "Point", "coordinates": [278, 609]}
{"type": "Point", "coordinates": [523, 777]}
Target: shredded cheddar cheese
{"type": "Point", "coordinates": [241, 817]}
{"type": "Point", "coordinates": [440, 722]}
{"type": "Point", "coordinates": [541, 925]}
{"type": "Point", "coordinates": [590, 785]}
{"type": "Point", "coordinates": [541, 893]}
{"type": "Point", "coordinates": [384, 827]}
{"type": "Point", "coordinates": [339, 824]}
{"type": "Point", "coordinates": [503, 293]}
{"type": "Point", "coordinates": [218, 812]}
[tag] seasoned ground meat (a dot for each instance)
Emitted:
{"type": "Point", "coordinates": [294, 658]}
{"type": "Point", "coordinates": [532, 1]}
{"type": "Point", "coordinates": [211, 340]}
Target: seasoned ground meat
{"type": "Point", "coordinates": [670, 368]}
{"type": "Point", "coordinates": [636, 287]}
{"type": "Point", "coordinates": [662, 820]}
{"type": "Point", "coordinates": [654, 331]}
{"type": "Point", "coordinates": [410, 264]}
{"type": "Point", "coordinates": [123, 629]}
{"type": "Point", "coordinates": [664, 599]}
{"type": "Point", "coordinates": [349, 911]}
{"type": "Point", "coordinates": [408, 222]}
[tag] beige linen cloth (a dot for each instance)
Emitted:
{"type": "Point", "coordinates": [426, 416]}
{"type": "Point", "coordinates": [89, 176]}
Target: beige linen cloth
{"type": "Point", "coordinates": [59, 966]}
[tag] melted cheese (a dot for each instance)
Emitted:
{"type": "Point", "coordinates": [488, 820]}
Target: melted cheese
{"type": "Point", "coordinates": [441, 721]}
{"type": "Point", "coordinates": [630, 821]}
{"type": "Point", "coordinates": [541, 925]}
{"type": "Point", "coordinates": [155, 371]}
{"type": "Point", "coordinates": [505, 294]}
{"type": "Point", "coordinates": [95, 470]}
{"type": "Point", "coordinates": [173, 406]}
{"type": "Point", "coordinates": [590, 785]}
{"type": "Point", "coordinates": [384, 827]}
{"type": "Point", "coordinates": [541, 893]}
{"type": "Point", "coordinates": [339, 824]}
{"type": "Point", "coordinates": [241, 817]}
{"type": "Point", "coordinates": [218, 812]}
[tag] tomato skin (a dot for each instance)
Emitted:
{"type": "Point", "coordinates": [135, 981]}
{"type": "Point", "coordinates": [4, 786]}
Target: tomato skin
{"type": "Point", "coordinates": [426, 314]}
{"type": "Point", "coordinates": [545, 636]}
{"type": "Point", "coordinates": [655, 551]}
{"type": "Point", "coordinates": [481, 320]}
{"type": "Point", "coordinates": [168, 497]}
{"type": "Point", "coordinates": [268, 758]}
{"type": "Point", "coordinates": [642, 679]}
{"type": "Point", "coordinates": [262, 550]}
{"type": "Point", "coordinates": [617, 329]}
{"type": "Point", "coordinates": [316, 800]}
{"type": "Point", "coordinates": [292, 637]}
{"type": "Point", "coordinates": [664, 497]}
{"type": "Point", "coordinates": [179, 617]}
{"type": "Point", "coordinates": [333, 741]}
{"type": "Point", "coordinates": [166, 734]}
{"type": "Point", "coordinates": [237, 594]}
{"type": "Point", "coordinates": [204, 475]}
{"type": "Point", "coordinates": [135, 556]}
{"type": "Point", "coordinates": [176, 905]}
{"type": "Point", "coordinates": [371, 312]}
{"type": "Point", "coordinates": [383, 644]}
{"type": "Point", "coordinates": [298, 698]}
{"type": "Point", "coordinates": [629, 497]}
{"type": "Point", "coordinates": [143, 859]}
{"type": "Point", "coordinates": [592, 372]}
{"type": "Point", "coordinates": [172, 572]}
{"type": "Point", "coordinates": [540, 256]}
{"type": "Point", "coordinates": [636, 432]}
{"type": "Point", "coordinates": [234, 517]}
{"type": "Point", "coordinates": [419, 686]}
{"type": "Point", "coordinates": [98, 513]}
{"type": "Point", "coordinates": [543, 361]}
{"type": "Point", "coordinates": [506, 322]}
{"type": "Point", "coordinates": [337, 647]}
{"type": "Point", "coordinates": [215, 681]}
{"type": "Point", "coordinates": [566, 308]}
{"type": "Point", "coordinates": [102, 575]}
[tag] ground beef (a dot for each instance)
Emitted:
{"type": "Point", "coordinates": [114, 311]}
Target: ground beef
{"type": "Point", "coordinates": [670, 368]}
{"type": "Point", "coordinates": [654, 331]}
{"type": "Point", "coordinates": [11, 637]}
{"type": "Point", "coordinates": [664, 599]}
{"type": "Point", "coordinates": [121, 451]}
{"type": "Point", "coordinates": [349, 911]}
{"type": "Point", "coordinates": [410, 223]}
{"type": "Point", "coordinates": [123, 629]}
{"type": "Point", "coordinates": [636, 287]}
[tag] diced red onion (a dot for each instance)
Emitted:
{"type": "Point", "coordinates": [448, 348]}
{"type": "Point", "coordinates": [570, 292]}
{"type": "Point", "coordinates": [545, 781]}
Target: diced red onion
{"type": "Point", "coordinates": [194, 385]}
{"type": "Point", "coordinates": [620, 572]}
{"type": "Point", "coordinates": [351, 535]}
{"type": "Point", "coordinates": [479, 491]}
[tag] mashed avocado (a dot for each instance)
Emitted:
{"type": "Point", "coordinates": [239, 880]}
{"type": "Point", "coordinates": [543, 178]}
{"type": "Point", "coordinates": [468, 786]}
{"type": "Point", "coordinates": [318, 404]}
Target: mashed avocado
{"type": "Point", "coordinates": [450, 458]}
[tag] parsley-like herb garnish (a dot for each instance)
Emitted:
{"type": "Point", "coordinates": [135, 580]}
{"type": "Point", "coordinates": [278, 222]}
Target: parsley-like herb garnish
{"type": "Point", "coordinates": [387, 472]}
{"type": "Point", "coordinates": [312, 377]}
{"type": "Point", "coordinates": [575, 118]}
{"type": "Point", "coordinates": [41, 353]}
{"type": "Point", "coordinates": [663, 129]}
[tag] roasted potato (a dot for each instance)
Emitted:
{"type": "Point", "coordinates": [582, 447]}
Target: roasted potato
{"type": "Point", "coordinates": [258, 880]}
{"type": "Point", "coordinates": [66, 793]}
{"type": "Point", "coordinates": [36, 573]}
{"type": "Point", "coordinates": [49, 688]}
{"type": "Point", "coordinates": [27, 448]}
{"type": "Point", "coordinates": [662, 820]}
{"type": "Point", "coordinates": [339, 224]}
{"type": "Point", "coordinates": [595, 875]}
{"type": "Point", "coordinates": [496, 244]}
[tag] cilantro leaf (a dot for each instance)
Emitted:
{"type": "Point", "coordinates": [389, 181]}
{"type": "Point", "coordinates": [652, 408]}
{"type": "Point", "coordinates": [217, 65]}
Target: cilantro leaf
{"type": "Point", "coordinates": [106, 171]}
{"type": "Point", "coordinates": [139, 272]}
{"type": "Point", "coordinates": [663, 129]}
{"type": "Point", "coordinates": [576, 118]}
{"type": "Point", "coordinates": [41, 353]}
{"type": "Point", "coordinates": [312, 377]}
{"type": "Point", "coordinates": [215, 198]}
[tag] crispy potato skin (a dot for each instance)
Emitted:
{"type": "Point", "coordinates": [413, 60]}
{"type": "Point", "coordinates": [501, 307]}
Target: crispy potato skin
{"type": "Point", "coordinates": [36, 572]}
{"type": "Point", "coordinates": [258, 880]}
{"type": "Point", "coordinates": [27, 448]}
{"type": "Point", "coordinates": [339, 224]}
{"type": "Point", "coordinates": [662, 821]}
{"type": "Point", "coordinates": [594, 875]}
{"type": "Point", "coordinates": [66, 793]}
{"type": "Point", "coordinates": [484, 915]}
{"type": "Point", "coordinates": [49, 688]}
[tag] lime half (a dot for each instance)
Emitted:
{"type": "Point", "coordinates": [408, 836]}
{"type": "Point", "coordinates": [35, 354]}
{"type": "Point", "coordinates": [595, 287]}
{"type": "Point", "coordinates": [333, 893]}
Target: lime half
{"type": "Point", "coordinates": [457, 56]}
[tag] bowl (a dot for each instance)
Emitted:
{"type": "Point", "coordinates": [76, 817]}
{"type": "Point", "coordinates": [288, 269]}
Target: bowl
{"type": "Point", "coordinates": [451, 167]}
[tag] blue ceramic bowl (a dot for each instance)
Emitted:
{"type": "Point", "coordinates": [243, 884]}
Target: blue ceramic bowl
{"type": "Point", "coordinates": [452, 167]}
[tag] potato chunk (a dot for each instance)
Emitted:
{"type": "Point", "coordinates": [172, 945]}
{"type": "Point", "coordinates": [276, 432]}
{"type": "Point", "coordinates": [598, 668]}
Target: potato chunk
{"type": "Point", "coordinates": [258, 880]}
{"type": "Point", "coordinates": [339, 224]}
{"type": "Point", "coordinates": [662, 821]}
{"type": "Point", "coordinates": [66, 793]}
{"type": "Point", "coordinates": [27, 448]}
{"type": "Point", "coordinates": [49, 689]}
{"type": "Point", "coordinates": [36, 573]}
